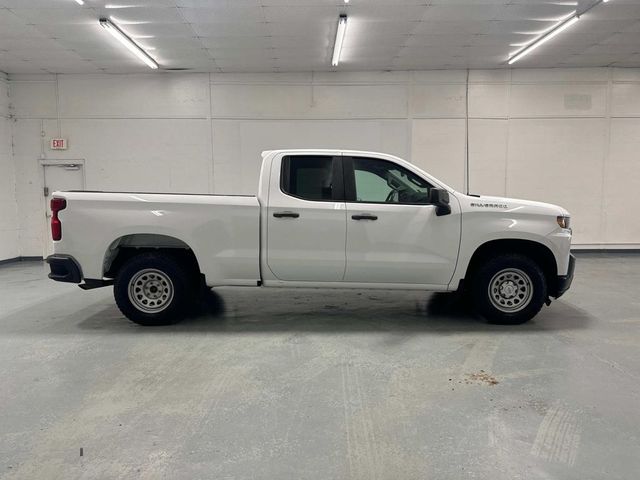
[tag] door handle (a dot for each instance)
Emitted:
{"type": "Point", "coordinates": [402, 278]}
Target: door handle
{"type": "Point", "coordinates": [364, 216]}
{"type": "Point", "coordinates": [286, 215]}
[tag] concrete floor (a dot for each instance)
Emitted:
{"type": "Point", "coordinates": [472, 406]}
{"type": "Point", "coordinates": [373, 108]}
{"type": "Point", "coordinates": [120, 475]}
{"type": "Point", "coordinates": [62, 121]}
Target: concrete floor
{"type": "Point", "coordinates": [279, 384]}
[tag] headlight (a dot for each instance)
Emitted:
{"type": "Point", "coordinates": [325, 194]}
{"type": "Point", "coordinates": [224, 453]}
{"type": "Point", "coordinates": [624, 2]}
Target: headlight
{"type": "Point", "coordinates": [563, 221]}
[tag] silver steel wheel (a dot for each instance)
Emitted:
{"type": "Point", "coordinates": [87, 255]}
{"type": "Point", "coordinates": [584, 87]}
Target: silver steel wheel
{"type": "Point", "coordinates": [150, 290]}
{"type": "Point", "coordinates": [510, 290]}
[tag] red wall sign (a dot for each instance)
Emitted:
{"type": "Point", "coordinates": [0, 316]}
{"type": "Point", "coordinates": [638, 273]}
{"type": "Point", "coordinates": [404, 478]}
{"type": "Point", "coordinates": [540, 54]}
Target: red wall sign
{"type": "Point", "coordinates": [58, 144]}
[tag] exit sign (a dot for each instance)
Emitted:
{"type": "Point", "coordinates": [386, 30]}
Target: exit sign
{"type": "Point", "coordinates": [58, 144]}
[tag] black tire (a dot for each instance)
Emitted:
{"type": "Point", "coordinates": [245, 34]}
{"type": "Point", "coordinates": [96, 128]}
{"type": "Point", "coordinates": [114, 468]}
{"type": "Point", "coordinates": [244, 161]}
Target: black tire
{"type": "Point", "coordinates": [519, 289]}
{"type": "Point", "coordinates": [165, 291]}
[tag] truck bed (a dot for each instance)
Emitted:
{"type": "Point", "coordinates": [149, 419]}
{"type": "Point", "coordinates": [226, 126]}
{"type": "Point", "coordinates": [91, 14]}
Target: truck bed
{"type": "Point", "coordinates": [222, 230]}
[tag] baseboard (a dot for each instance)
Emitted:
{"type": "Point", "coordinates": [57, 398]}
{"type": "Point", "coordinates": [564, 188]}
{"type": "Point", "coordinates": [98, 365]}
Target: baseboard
{"type": "Point", "coordinates": [606, 251]}
{"type": "Point", "coordinates": [632, 248]}
{"type": "Point", "coordinates": [20, 259]}
{"type": "Point", "coordinates": [607, 247]}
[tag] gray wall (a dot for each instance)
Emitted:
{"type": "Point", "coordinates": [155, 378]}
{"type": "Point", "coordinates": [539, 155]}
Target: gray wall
{"type": "Point", "coordinates": [567, 136]}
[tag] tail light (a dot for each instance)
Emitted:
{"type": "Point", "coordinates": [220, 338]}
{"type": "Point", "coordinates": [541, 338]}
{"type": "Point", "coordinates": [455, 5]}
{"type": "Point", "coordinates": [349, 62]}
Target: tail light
{"type": "Point", "coordinates": [57, 204]}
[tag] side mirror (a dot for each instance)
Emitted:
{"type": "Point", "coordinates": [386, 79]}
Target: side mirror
{"type": "Point", "coordinates": [440, 198]}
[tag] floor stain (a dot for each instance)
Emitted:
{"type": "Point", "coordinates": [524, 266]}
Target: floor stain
{"type": "Point", "coordinates": [481, 378]}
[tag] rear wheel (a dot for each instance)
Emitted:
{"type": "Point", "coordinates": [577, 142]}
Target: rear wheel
{"type": "Point", "coordinates": [152, 289]}
{"type": "Point", "coordinates": [509, 289]}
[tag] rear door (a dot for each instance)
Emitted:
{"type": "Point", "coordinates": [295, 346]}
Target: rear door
{"type": "Point", "coordinates": [393, 233]}
{"type": "Point", "coordinates": [306, 219]}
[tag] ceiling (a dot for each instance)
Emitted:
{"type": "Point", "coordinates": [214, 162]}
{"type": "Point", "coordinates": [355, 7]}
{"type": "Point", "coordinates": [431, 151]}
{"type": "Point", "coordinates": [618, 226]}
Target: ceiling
{"type": "Point", "coordinates": [60, 36]}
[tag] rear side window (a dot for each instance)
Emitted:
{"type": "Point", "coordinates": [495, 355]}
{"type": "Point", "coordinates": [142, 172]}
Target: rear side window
{"type": "Point", "coordinates": [309, 177]}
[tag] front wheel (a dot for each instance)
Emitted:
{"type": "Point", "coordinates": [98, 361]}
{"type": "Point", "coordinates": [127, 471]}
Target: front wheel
{"type": "Point", "coordinates": [152, 289]}
{"type": "Point", "coordinates": [509, 289]}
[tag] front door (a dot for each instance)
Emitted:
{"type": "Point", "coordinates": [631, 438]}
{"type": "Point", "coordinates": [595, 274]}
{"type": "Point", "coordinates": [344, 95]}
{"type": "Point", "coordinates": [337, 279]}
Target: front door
{"type": "Point", "coordinates": [393, 233]}
{"type": "Point", "coordinates": [59, 177]}
{"type": "Point", "coordinates": [306, 219]}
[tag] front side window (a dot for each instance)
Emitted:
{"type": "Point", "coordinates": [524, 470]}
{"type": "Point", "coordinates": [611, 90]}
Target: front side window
{"type": "Point", "coordinates": [380, 181]}
{"type": "Point", "coordinates": [308, 177]}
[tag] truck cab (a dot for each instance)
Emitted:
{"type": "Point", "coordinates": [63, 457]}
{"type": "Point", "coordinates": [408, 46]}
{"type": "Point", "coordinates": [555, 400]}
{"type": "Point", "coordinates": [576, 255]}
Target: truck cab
{"type": "Point", "coordinates": [351, 218]}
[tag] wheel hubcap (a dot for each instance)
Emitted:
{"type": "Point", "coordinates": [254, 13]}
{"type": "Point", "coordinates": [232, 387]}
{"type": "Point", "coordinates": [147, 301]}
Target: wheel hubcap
{"type": "Point", "coordinates": [150, 290]}
{"type": "Point", "coordinates": [510, 290]}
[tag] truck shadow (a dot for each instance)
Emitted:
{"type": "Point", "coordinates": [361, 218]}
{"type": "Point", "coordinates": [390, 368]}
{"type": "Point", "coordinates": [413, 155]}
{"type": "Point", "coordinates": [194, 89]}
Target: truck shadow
{"type": "Point", "coordinates": [235, 311]}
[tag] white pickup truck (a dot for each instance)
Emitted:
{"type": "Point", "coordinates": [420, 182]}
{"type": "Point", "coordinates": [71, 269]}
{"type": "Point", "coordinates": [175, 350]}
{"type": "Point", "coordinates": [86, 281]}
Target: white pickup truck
{"type": "Point", "coordinates": [322, 218]}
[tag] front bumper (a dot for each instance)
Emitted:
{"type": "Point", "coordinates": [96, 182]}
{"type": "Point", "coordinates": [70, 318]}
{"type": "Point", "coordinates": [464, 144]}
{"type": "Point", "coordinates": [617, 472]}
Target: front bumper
{"type": "Point", "coordinates": [64, 268]}
{"type": "Point", "coordinates": [564, 281]}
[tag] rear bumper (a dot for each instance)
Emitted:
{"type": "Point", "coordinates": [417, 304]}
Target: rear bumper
{"type": "Point", "coordinates": [64, 268]}
{"type": "Point", "coordinates": [564, 281]}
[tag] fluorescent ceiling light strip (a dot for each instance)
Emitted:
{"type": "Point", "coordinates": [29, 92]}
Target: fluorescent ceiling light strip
{"type": "Point", "coordinates": [337, 46]}
{"type": "Point", "coordinates": [80, 2]}
{"type": "Point", "coordinates": [132, 46]}
{"type": "Point", "coordinates": [562, 26]}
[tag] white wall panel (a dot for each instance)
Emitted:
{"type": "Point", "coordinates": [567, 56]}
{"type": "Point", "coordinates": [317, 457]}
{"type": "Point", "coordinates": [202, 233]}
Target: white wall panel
{"type": "Point", "coordinates": [560, 161]}
{"type": "Point", "coordinates": [488, 148]}
{"type": "Point", "coordinates": [34, 99]}
{"type": "Point", "coordinates": [438, 101]}
{"type": "Point", "coordinates": [625, 74]}
{"type": "Point", "coordinates": [553, 75]}
{"type": "Point", "coordinates": [360, 101]}
{"type": "Point", "coordinates": [256, 101]}
{"type": "Point", "coordinates": [625, 100]}
{"type": "Point", "coordinates": [8, 207]}
{"type": "Point", "coordinates": [138, 96]}
{"type": "Point", "coordinates": [227, 152]}
{"type": "Point", "coordinates": [622, 183]}
{"type": "Point", "coordinates": [394, 138]}
{"type": "Point", "coordinates": [560, 100]}
{"type": "Point", "coordinates": [438, 148]}
{"type": "Point", "coordinates": [490, 100]}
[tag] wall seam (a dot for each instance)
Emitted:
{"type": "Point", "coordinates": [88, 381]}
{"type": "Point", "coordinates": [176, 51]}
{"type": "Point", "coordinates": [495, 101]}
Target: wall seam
{"type": "Point", "coordinates": [506, 153]}
{"type": "Point", "coordinates": [466, 140]}
{"type": "Point", "coordinates": [410, 118]}
{"type": "Point", "coordinates": [210, 121]}
{"type": "Point", "coordinates": [605, 157]}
